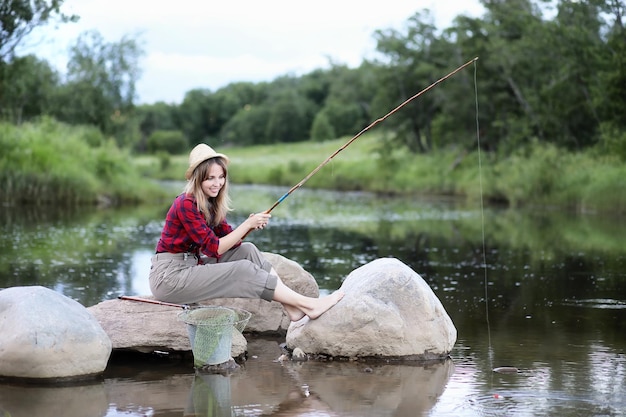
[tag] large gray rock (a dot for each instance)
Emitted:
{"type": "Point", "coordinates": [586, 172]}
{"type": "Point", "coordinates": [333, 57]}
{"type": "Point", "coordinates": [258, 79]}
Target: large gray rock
{"type": "Point", "coordinates": [144, 327]}
{"type": "Point", "coordinates": [46, 335]}
{"type": "Point", "coordinates": [388, 311]}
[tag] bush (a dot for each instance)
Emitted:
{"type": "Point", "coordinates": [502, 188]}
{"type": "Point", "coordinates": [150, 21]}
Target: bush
{"type": "Point", "coordinates": [322, 129]}
{"type": "Point", "coordinates": [612, 141]}
{"type": "Point", "coordinates": [50, 162]}
{"type": "Point", "coordinates": [171, 141]}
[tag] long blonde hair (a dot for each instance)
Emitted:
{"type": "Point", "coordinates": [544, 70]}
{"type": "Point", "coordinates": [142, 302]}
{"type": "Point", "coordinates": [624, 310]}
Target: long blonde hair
{"type": "Point", "coordinates": [213, 208]}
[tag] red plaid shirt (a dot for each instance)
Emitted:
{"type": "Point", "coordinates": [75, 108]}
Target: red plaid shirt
{"type": "Point", "coordinates": [186, 230]}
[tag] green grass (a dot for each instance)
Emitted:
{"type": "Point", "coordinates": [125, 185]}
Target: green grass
{"type": "Point", "coordinates": [539, 175]}
{"type": "Point", "coordinates": [49, 162]}
{"type": "Point", "coordinates": [52, 162]}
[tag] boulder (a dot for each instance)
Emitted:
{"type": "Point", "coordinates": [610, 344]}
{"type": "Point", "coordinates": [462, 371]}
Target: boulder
{"type": "Point", "coordinates": [145, 327]}
{"type": "Point", "coordinates": [46, 335]}
{"type": "Point", "coordinates": [388, 311]}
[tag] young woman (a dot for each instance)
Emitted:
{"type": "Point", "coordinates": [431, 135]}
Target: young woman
{"type": "Point", "coordinates": [200, 256]}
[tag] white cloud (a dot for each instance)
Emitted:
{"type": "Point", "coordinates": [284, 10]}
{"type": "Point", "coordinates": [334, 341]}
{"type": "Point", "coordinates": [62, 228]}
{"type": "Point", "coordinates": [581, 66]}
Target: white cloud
{"type": "Point", "coordinates": [208, 44]}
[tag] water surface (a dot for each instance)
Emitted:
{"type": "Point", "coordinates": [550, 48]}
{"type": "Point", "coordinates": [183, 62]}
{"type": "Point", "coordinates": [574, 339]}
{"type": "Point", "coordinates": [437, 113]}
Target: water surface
{"type": "Point", "coordinates": [538, 290]}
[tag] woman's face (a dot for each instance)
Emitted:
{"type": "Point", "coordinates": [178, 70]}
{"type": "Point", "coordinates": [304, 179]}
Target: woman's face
{"type": "Point", "coordinates": [214, 181]}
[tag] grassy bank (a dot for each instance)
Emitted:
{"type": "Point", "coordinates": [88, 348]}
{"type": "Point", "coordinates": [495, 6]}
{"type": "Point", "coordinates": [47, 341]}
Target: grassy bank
{"type": "Point", "coordinates": [49, 162]}
{"type": "Point", "coordinates": [539, 175]}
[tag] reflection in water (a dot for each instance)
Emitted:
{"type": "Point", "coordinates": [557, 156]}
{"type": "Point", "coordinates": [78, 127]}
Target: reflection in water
{"type": "Point", "coordinates": [89, 400]}
{"type": "Point", "coordinates": [596, 303]}
{"type": "Point", "coordinates": [358, 389]}
{"type": "Point", "coordinates": [265, 387]}
{"type": "Point", "coordinates": [268, 388]}
{"type": "Point", "coordinates": [262, 387]}
{"type": "Point", "coordinates": [209, 396]}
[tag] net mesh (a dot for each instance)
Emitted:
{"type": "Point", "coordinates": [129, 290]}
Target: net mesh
{"type": "Point", "coordinates": [210, 332]}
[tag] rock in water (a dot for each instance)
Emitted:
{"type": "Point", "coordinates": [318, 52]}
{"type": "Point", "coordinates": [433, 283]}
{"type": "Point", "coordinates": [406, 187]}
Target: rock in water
{"type": "Point", "coordinates": [48, 335]}
{"type": "Point", "coordinates": [388, 311]}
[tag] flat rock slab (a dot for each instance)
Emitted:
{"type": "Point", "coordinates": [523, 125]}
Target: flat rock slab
{"type": "Point", "coordinates": [146, 328]}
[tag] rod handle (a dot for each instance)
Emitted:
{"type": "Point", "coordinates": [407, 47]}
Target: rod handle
{"type": "Point", "coordinates": [268, 211]}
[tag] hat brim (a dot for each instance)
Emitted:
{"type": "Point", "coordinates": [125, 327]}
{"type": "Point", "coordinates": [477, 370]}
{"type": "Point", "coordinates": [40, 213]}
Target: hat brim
{"type": "Point", "coordinates": [193, 167]}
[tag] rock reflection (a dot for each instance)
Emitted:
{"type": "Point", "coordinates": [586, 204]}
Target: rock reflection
{"type": "Point", "coordinates": [68, 401]}
{"type": "Point", "coordinates": [266, 387]}
{"type": "Point", "coordinates": [261, 387]}
{"type": "Point", "coordinates": [372, 390]}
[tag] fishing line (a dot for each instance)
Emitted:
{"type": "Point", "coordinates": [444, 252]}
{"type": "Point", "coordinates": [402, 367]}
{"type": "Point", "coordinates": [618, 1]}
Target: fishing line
{"type": "Point", "coordinates": [482, 216]}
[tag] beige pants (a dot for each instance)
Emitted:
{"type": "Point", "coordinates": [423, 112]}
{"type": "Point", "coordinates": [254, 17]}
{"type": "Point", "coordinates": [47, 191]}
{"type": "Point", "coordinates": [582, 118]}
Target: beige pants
{"type": "Point", "coordinates": [241, 272]}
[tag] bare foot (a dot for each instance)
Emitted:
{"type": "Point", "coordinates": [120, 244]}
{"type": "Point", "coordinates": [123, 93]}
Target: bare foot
{"type": "Point", "coordinates": [322, 305]}
{"type": "Point", "coordinates": [312, 307]}
{"type": "Point", "coordinates": [294, 313]}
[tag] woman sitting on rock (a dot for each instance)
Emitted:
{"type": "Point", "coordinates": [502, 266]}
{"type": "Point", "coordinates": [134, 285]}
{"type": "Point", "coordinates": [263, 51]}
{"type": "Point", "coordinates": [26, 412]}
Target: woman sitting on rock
{"type": "Point", "coordinates": [200, 256]}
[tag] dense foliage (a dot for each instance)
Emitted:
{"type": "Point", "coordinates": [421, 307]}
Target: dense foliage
{"type": "Point", "coordinates": [554, 71]}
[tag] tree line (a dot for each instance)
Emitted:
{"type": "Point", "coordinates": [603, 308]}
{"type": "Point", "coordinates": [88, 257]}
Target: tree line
{"type": "Point", "coordinates": [548, 71]}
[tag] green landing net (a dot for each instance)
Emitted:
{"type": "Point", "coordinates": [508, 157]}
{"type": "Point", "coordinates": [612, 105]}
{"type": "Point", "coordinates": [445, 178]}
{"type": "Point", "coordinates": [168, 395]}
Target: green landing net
{"type": "Point", "coordinates": [210, 331]}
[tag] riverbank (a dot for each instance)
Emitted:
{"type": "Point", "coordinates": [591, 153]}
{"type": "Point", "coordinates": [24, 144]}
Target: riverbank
{"type": "Point", "coordinates": [539, 175]}
{"type": "Point", "coordinates": [52, 163]}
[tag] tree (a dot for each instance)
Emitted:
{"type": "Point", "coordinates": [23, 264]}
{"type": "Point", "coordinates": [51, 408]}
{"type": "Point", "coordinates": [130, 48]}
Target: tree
{"type": "Point", "coordinates": [197, 116]}
{"type": "Point", "coordinates": [347, 105]}
{"type": "Point", "coordinates": [543, 72]}
{"type": "Point", "coordinates": [455, 122]}
{"type": "Point", "coordinates": [322, 129]}
{"type": "Point", "coordinates": [610, 93]}
{"type": "Point", "coordinates": [515, 63]}
{"type": "Point", "coordinates": [29, 85]}
{"type": "Point", "coordinates": [316, 85]}
{"type": "Point", "coordinates": [246, 127]}
{"type": "Point", "coordinates": [580, 50]}
{"type": "Point", "coordinates": [153, 117]}
{"type": "Point", "coordinates": [204, 115]}
{"type": "Point", "coordinates": [18, 18]}
{"type": "Point", "coordinates": [411, 64]}
{"type": "Point", "coordinates": [241, 101]}
{"type": "Point", "coordinates": [290, 113]}
{"type": "Point", "coordinates": [100, 87]}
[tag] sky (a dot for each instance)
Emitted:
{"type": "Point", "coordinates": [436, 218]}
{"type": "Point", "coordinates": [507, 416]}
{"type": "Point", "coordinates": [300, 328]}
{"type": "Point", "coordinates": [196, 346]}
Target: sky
{"type": "Point", "coordinates": [208, 44]}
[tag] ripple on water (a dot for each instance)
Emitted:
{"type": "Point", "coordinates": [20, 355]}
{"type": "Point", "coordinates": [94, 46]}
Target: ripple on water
{"type": "Point", "coordinates": [602, 303]}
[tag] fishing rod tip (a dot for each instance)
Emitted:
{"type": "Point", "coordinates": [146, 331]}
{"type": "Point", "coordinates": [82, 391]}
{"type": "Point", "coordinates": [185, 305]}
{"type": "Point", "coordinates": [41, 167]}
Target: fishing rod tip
{"type": "Point", "coordinates": [475, 59]}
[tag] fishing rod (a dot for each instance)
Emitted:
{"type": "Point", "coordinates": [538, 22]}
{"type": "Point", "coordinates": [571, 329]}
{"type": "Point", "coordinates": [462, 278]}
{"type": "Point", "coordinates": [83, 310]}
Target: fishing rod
{"type": "Point", "coordinates": [371, 125]}
{"type": "Point", "coordinates": [147, 300]}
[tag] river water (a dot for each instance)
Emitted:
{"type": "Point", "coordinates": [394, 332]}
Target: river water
{"type": "Point", "coordinates": [538, 290]}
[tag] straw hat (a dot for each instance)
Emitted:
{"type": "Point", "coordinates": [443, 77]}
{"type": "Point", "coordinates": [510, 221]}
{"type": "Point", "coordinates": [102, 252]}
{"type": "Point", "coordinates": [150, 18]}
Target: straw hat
{"type": "Point", "coordinates": [199, 154]}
